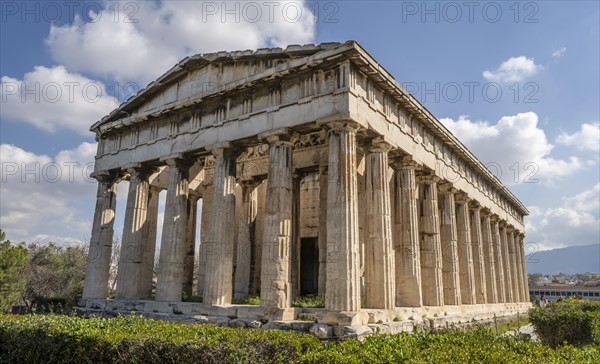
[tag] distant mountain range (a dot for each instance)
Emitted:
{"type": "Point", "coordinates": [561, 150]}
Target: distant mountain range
{"type": "Point", "coordinates": [571, 260]}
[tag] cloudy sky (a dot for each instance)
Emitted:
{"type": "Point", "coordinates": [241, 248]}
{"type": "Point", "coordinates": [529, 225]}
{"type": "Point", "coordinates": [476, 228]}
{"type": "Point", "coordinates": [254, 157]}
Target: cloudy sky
{"type": "Point", "coordinates": [518, 83]}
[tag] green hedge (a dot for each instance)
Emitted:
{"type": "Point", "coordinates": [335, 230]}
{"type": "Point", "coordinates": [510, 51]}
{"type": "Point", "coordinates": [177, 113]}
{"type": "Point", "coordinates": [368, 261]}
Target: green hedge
{"type": "Point", "coordinates": [572, 320]}
{"type": "Point", "coordinates": [132, 339]}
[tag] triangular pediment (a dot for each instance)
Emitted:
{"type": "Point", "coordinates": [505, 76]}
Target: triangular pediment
{"type": "Point", "coordinates": [200, 76]}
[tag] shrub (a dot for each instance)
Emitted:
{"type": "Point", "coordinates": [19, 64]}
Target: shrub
{"type": "Point", "coordinates": [127, 339]}
{"type": "Point", "coordinates": [309, 301]}
{"type": "Point", "coordinates": [134, 339]}
{"type": "Point", "coordinates": [248, 300]}
{"type": "Point", "coordinates": [572, 320]}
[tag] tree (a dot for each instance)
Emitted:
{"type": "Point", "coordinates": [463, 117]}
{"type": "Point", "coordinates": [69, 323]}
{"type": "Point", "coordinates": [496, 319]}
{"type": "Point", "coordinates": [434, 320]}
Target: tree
{"type": "Point", "coordinates": [13, 260]}
{"type": "Point", "coordinates": [55, 275]}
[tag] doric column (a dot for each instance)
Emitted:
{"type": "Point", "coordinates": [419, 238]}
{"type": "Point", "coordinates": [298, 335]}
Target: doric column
{"type": "Point", "coordinates": [431, 249]}
{"type": "Point", "coordinates": [129, 273]}
{"type": "Point", "coordinates": [498, 267]}
{"type": "Point", "coordinates": [449, 242]}
{"type": "Point", "coordinates": [218, 274]}
{"type": "Point", "coordinates": [190, 245]}
{"type": "Point", "coordinates": [246, 239]}
{"type": "Point", "coordinates": [295, 239]}
{"type": "Point", "coordinates": [379, 253]}
{"type": "Point", "coordinates": [322, 229]}
{"type": "Point", "coordinates": [512, 237]}
{"type": "Point", "coordinates": [99, 255]}
{"type": "Point", "coordinates": [275, 287]}
{"type": "Point", "coordinates": [465, 251]}
{"type": "Point", "coordinates": [204, 226]}
{"type": "Point", "coordinates": [524, 277]}
{"type": "Point", "coordinates": [479, 260]}
{"type": "Point", "coordinates": [169, 285]}
{"type": "Point", "coordinates": [406, 235]}
{"type": "Point", "coordinates": [147, 270]}
{"type": "Point", "coordinates": [508, 280]}
{"type": "Point", "coordinates": [488, 251]}
{"type": "Point", "coordinates": [342, 290]}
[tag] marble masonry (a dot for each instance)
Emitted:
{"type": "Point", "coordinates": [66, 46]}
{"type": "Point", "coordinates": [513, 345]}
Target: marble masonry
{"type": "Point", "coordinates": [318, 174]}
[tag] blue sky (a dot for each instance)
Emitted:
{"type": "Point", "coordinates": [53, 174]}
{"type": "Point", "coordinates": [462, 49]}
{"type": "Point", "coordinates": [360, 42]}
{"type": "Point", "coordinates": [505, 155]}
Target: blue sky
{"type": "Point", "coordinates": [517, 82]}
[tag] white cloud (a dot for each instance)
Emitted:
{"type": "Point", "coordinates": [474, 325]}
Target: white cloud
{"type": "Point", "coordinates": [53, 98]}
{"type": "Point", "coordinates": [515, 69]}
{"type": "Point", "coordinates": [43, 195]}
{"type": "Point", "coordinates": [574, 222]}
{"type": "Point", "coordinates": [586, 138]}
{"type": "Point", "coordinates": [160, 34]}
{"type": "Point", "coordinates": [559, 53]}
{"type": "Point", "coordinates": [513, 139]}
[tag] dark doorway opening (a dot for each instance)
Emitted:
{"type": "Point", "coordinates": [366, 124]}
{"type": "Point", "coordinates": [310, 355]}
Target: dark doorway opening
{"type": "Point", "coordinates": [309, 266]}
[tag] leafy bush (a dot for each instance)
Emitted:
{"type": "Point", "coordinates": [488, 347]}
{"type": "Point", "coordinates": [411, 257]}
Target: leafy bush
{"type": "Point", "coordinates": [248, 300]}
{"type": "Point", "coordinates": [13, 261]}
{"type": "Point", "coordinates": [572, 320]}
{"type": "Point", "coordinates": [309, 301]}
{"type": "Point", "coordinates": [127, 339]}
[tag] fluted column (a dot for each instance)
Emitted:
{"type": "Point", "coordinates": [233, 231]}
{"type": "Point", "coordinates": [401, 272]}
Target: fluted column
{"type": "Point", "coordinates": [431, 249]}
{"type": "Point", "coordinates": [218, 274]}
{"type": "Point", "coordinates": [133, 240]}
{"type": "Point", "coordinates": [147, 270]}
{"type": "Point", "coordinates": [169, 286]}
{"type": "Point", "coordinates": [246, 239]}
{"type": "Point", "coordinates": [488, 250]}
{"type": "Point", "coordinates": [498, 266]}
{"type": "Point", "coordinates": [342, 290]}
{"type": "Point", "coordinates": [512, 257]}
{"type": "Point", "coordinates": [406, 235]}
{"type": "Point", "coordinates": [508, 280]}
{"type": "Point", "coordinates": [275, 287]}
{"type": "Point", "coordinates": [190, 246]}
{"type": "Point", "coordinates": [479, 260]}
{"type": "Point", "coordinates": [524, 278]}
{"type": "Point", "coordinates": [449, 243]}
{"type": "Point", "coordinates": [322, 280]}
{"type": "Point", "coordinates": [204, 227]}
{"type": "Point", "coordinates": [100, 251]}
{"type": "Point", "coordinates": [295, 239]}
{"type": "Point", "coordinates": [379, 253]}
{"type": "Point", "coordinates": [466, 267]}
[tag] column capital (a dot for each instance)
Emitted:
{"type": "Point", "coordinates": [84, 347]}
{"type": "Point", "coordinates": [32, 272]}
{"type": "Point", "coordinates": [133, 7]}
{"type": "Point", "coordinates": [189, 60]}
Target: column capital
{"type": "Point", "coordinates": [224, 148]}
{"type": "Point", "coordinates": [106, 177]}
{"type": "Point", "coordinates": [403, 162]}
{"type": "Point", "coordinates": [177, 160]}
{"type": "Point", "coordinates": [446, 188]}
{"type": "Point", "coordinates": [194, 196]}
{"type": "Point", "coordinates": [429, 179]}
{"type": "Point", "coordinates": [503, 224]}
{"type": "Point", "coordinates": [494, 218]}
{"type": "Point", "coordinates": [155, 189]}
{"type": "Point", "coordinates": [462, 198]}
{"type": "Point", "coordinates": [250, 183]}
{"type": "Point", "coordinates": [475, 205]}
{"type": "Point", "coordinates": [485, 212]}
{"type": "Point", "coordinates": [283, 135]}
{"type": "Point", "coordinates": [139, 169]}
{"type": "Point", "coordinates": [378, 145]}
{"type": "Point", "coordinates": [341, 125]}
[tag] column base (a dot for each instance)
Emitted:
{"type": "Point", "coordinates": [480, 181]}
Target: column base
{"type": "Point", "coordinates": [320, 322]}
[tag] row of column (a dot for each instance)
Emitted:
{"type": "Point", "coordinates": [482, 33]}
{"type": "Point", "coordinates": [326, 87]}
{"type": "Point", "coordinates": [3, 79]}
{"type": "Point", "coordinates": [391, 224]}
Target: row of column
{"type": "Point", "coordinates": [439, 249]}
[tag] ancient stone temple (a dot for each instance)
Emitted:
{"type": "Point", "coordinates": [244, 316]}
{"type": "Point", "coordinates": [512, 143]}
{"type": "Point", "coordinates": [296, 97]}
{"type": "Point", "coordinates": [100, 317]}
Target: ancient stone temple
{"type": "Point", "coordinates": [317, 174]}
